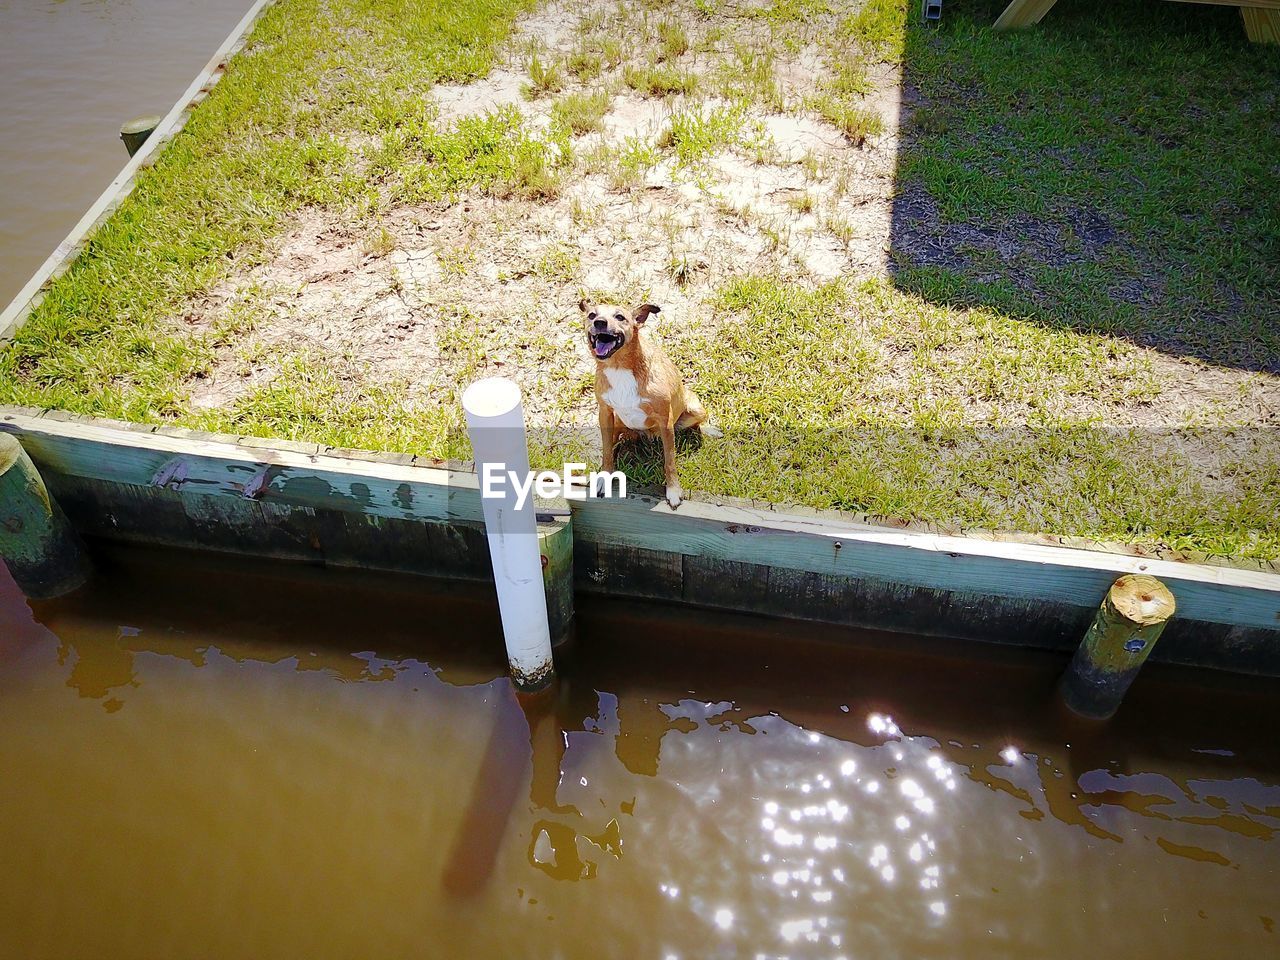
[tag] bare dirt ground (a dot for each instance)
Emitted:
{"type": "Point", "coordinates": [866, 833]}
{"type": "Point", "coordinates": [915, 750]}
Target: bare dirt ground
{"type": "Point", "coordinates": [670, 234]}
{"type": "Point", "coordinates": [431, 294]}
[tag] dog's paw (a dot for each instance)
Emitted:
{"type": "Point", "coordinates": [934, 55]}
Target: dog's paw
{"type": "Point", "coordinates": [711, 431]}
{"type": "Point", "coordinates": [675, 495]}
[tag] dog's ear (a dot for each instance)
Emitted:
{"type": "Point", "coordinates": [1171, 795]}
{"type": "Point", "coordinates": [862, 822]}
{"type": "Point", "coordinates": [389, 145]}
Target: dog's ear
{"type": "Point", "coordinates": [586, 306]}
{"type": "Point", "coordinates": [641, 313]}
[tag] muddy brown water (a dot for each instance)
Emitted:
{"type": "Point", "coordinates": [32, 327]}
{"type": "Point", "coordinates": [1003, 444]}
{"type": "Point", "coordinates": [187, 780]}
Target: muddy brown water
{"type": "Point", "coordinates": [212, 758]}
{"type": "Point", "coordinates": [71, 72]}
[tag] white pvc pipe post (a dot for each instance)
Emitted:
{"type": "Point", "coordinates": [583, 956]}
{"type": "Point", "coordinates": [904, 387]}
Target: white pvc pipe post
{"type": "Point", "coordinates": [495, 422]}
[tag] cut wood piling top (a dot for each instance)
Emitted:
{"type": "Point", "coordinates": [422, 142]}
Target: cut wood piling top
{"type": "Point", "coordinates": [1142, 600]}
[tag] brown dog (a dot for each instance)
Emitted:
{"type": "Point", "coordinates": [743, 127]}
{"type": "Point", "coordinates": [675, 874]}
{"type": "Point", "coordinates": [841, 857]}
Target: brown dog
{"type": "Point", "coordinates": [638, 390]}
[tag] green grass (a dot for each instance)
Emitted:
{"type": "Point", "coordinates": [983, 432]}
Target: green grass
{"type": "Point", "coordinates": [848, 79]}
{"type": "Point", "coordinates": [271, 139]}
{"type": "Point", "coordinates": [1123, 155]}
{"type": "Point", "coordinates": [788, 11]}
{"type": "Point", "coordinates": [749, 77]}
{"type": "Point", "coordinates": [558, 263]}
{"type": "Point", "coordinates": [672, 39]}
{"type": "Point", "coordinates": [545, 76]}
{"type": "Point", "coordinates": [581, 112]}
{"type": "Point", "coordinates": [697, 133]}
{"type": "Point", "coordinates": [492, 152]}
{"type": "Point", "coordinates": [584, 64]}
{"type": "Point", "coordinates": [659, 80]}
{"type": "Point", "coordinates": [795, 376]}
{"type": "Point", "coordinates": [879, 28]}
{"type": "Point", "coordinates": [1134, 144]}
{"type": "Point", "coordinates": [857, 123]}
{"type": "Point", "coordinates": [803, 204]}
{"type": "Point", "coordinates": [309, 401]}
{"type": "Point", "coordinates": [624, 164]}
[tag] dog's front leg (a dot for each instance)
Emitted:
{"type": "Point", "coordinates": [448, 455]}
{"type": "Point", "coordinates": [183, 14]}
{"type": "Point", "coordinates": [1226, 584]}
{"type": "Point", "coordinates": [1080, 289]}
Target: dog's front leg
{"type": "Point", "coordinates": [675, 495]}
{"type": "Point", "coordinates": [608, 440]}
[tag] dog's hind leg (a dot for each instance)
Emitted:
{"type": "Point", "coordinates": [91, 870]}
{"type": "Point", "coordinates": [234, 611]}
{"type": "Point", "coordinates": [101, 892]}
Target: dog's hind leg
{"type": "Point", "coordinates": [694, 412]}
{"type": "Point", "coordinates": [695, 415]}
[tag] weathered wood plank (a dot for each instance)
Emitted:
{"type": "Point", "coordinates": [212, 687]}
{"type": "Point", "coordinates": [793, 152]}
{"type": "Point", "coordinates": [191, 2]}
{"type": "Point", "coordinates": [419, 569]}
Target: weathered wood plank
{"type": "Point", "coordinates": [1220, 647]}
{"type": "Point", "coordinates": [626, 571]}
{"type": "Point", "coordinates": [1023, 13]}
{"type": "Point", "coordinates": [712, 553]}
{"type": "Point", "coordinates": [1261, 17]}
{"type": "Point", "coordinates": [1263, 4]}
{"type": "Point", "coordinates": [555, 545]}
{"type": "Point", "coordinates": [85, 449]}
{"type": "Point", "coordinates": [1262, 26]}
{"type": "Point", "coordinates": [38, 545]}
{"type": "Point", "coordinates": [123, 511]}
{"type": "Point", "coordinates": [955, 564]}
{"type": "Point", "coordinates": [115, 511]}
{"type": "Point", "coordinates": [711, 582]}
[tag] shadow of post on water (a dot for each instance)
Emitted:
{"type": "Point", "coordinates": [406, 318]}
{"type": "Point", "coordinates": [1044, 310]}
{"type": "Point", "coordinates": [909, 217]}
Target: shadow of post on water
{"type": "Point", "coordinates": [527, 744]}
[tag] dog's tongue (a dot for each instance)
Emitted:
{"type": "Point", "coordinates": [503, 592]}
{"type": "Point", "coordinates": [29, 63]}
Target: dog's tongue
{"type": "Point", "coordinates": [602, 347]}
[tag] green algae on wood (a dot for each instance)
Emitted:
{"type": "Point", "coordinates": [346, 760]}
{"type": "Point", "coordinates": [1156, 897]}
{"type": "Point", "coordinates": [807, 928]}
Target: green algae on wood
{"type": "Point", "coordinates": [37, 544]}
{"type": "Point", "coordinates": [1132, 618]}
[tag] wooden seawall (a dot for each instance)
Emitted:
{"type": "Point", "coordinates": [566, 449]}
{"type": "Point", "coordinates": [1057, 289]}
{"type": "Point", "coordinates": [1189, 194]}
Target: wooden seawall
{"type": "Point", "coordinates": [320, 505]}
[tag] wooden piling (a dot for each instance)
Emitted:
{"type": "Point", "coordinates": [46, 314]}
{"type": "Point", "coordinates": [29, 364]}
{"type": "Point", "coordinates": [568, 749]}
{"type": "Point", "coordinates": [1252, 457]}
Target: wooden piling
{"type": "Point", "coordinates": [37, 544]}
{"type": "Point", "coordinates": [1126, 628]}
{"type": "Point", "coordinates": [1261, 25]}
{"type": "Point", "coordinates": [555, 544]}
{"type": "Point", "coordinates": [135, 132]}
{"type": "Point", "coordinates": [1023, 13]}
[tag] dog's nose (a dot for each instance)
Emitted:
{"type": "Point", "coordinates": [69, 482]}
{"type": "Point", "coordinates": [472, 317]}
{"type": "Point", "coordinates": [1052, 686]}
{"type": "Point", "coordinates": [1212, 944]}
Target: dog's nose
{"type": "Point", "coordinates": [601, 324]}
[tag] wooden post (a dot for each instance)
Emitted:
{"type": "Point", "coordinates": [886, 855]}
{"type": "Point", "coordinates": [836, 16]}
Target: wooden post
{"type": "Point", "coordinates": [1132, 617]}
{"type": "Point", "coordinates": [555, 544]}
{"type": "Point", "coordinates": [1023, 13]}
{"type": "Point", "coordinates": [37, 544]}
{"type": "Point", "coordinates": [1261, 26]}
{"type": "Point", "coordinates": [135, 132]}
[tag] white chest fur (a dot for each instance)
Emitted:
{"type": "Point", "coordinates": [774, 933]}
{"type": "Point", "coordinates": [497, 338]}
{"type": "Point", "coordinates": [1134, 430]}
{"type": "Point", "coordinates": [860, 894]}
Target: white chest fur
{"type": "Point", "coordinates": [623, 398]}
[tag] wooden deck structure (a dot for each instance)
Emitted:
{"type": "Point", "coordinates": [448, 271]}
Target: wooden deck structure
{"type": "Point", "coordinates": [1261, 17]}
{"type": "Point", "coordinates": [347, 508]}
{"type": "Point", "coordinates": [304, 502]}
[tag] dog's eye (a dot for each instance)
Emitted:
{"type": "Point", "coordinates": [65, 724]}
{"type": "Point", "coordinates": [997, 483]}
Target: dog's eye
{"type": "Point", "coordinates": [620, 317]}
{"type": "Point", "coordinates": [591, 315]}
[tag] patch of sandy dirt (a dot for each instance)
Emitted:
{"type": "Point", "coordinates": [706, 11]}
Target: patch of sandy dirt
{"type": "Point", "coordinates": [443, 294]}
{"type": "Point", "coordinates": [499, 89]}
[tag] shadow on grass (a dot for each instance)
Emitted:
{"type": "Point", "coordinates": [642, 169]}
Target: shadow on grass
{"type": "Point", "coordinates": [640, 458]}
{"type": "Point", "coordinates": [1113, 170]}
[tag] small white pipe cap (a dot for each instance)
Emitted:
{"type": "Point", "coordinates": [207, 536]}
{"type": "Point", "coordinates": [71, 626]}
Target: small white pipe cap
{"type": "Point", "coordinates": [491, 398]}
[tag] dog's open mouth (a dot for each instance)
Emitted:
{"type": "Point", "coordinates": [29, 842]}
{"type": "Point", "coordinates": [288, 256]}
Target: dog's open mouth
{"type": "Point", "coordinates": [604, 344]}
